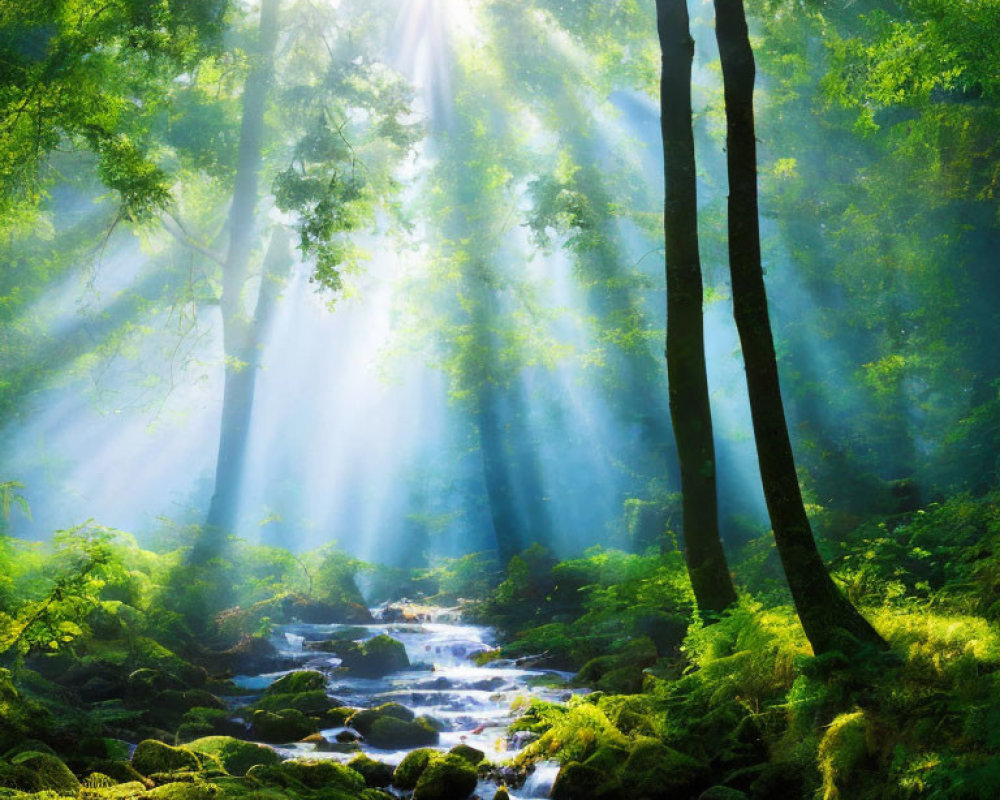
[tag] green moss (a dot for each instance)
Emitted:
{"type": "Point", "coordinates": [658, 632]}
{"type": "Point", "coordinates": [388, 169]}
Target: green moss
{"type": "Point", "coordinates": [655, 770]}
{"type": "Point", "coordinates": [33, 771]}
{"type": "Point", "coordinates": [315, 701]}
{"type": "Point", "coordinates": [410, 768]}
{"type": "Point", "coordinates": [364, 720]}
{"type": "Point", "coordinates": [151, 756]}
{"type": "Point", "coordinates": [470, 754]}
{"type": "Point", "coordinates": [447, 777]}
{"type": "Point", "coordinates": [842, 752]}
{"type": "Point", "coordinates": [581, 782]}
{"type": "Point", "coordinates": [297, 682]}
{"type": "Point", "coordinates": [390, 733]}
{"type": "Point", "coordinates": [336, 717]}
{"type": "Point", "coordinates": [183, 791]}
{"type": "Point", "coordinates": [282, 727]}
{"type": "Point", "coordinates": [376, 774]}
{"type": "Point", "coordinates": [235, 756]}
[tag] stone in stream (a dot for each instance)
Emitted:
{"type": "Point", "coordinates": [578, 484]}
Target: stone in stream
{"type": "Point", "coordinates": [236, 756]}
{"type": "Point", "coordinates": [470, 754]}
{"type": "Point", "coordinates": [284, 726]}
{"type": "Point", "coordinates": [373, 658]}
{"type": "Point", "coordinates": [297, 682]}
{"type": "Point", "coordinates": [376, 774]}
{"type": "Point", "coordinates": [446, 777]}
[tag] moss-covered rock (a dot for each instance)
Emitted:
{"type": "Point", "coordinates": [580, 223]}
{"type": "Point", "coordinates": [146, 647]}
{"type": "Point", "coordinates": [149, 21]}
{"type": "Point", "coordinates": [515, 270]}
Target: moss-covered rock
{"type": "Point", "coordinates": [236, 756]}
{"type": "Point", "coordinates": [325, 775]}
{"type": "Point", "coordinates": [446, 777]}
{"type": "Point", "coordinates": [470, 754]}
{"type": "Point", "coordinates": [200, 722]}
{"type": "Point", "coordinates": [336, 717]}
{"type": "Point", "coordinates": [195, 790]}
{"type": "Point", "coordinates": [410, 768]}
{"type": "Point", "coordinates": [282, 727]}
{"type": "Point", "coordinates": [364, 720]}
{"type": "Point", "coordinates": [376, 774]}
{"type": "Point", "coordinates": [373, 658]}
{"type": "Point", "coordinates": [578, 781]}
{"type": "Point", "coordinates": [99, 786]}
{"type": "Point", "coordinates": [389, 733]}
{"type": "Point", "coordinates": [313, 702]}
{"type": "Point", "coordinates": [501, 794]}
{"type": "Point", "coordinates": [307, 680]}
{"type": "Point", "coordinates": [844, 752]}
{"type": "Point", "coordinates": [656, 771]}
{"type": "Point", "coordinates": [151, 757]}
{"type": "Point", "coordinates": [40, 772]}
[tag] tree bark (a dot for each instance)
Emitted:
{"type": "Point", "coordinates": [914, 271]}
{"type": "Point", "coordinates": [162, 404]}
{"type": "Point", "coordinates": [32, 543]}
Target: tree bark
{"type": "Point", "coordinates": [828, 618]}
{"type": "Point", "coordinates": [237, 329]}
{"type": "Point", "coordinates": [690, 407]}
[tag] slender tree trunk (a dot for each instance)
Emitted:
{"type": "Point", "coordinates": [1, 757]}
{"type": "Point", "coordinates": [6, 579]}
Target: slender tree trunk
{"type": "Point", "coordinates": [828, 618]}
{"type": "Point", "coordinates": [690, 408]}
{"type": "Point", "coordinates": [237, 329]}
{"type": "Point", "coordinates": [507, 522]}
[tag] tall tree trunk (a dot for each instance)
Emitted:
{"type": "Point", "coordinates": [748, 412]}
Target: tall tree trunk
{"type": "Point", "coordinates": [828, 618]}
{"type": "Point", "coordinates": [690, 408]}
{"type": "Point", "coordinates": [508, 527]}
{"type": "Point", "coordinates": [237, 329]}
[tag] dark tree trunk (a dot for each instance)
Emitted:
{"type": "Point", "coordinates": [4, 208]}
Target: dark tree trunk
{"type": "Point", "coordinates": [508, 527]}
{"type": "Point", "coordinates": [239, 343]}
{"type": "Point", "coordinates": [690, 408]}
{"type": "Point", "coordinates": [828, 618]}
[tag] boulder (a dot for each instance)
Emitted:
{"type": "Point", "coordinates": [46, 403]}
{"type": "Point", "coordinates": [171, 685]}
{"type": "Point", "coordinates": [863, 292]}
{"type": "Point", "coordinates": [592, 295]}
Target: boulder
{"type": "Point", "coordinates": [314, 702]}
{"type": "Point", "coordinates": [389, 733]}
{"type": "Point", "coordinates": [151, 756]}
{"type": "Point", "coordinates": [282, 727]}
{"type": "Point", "coordinates": [447, 777]}
{"type": "Point", "coordinates": [470, 754]}
{"type": "Point", "coordinates": [307, 680]}
{"type": "Point", "coordinates": [376, 774]}
{"type": "Point", "coordinates": [578, 782]}
{"type": "Point", "coordinates": [236, 756]}
{"type": "Point", "coordinates": [41, 772]}
{"type": "Point", "coordinates": [373, 658]}
{"type": "Point", "coordinates": [362, 721]}
{"type": "Point", "coordinates": [656, 771]}
{"type": "Point", "coordinates": [408, 772]}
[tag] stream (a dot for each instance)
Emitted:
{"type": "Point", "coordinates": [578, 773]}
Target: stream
{"type": "Point", "coordinates": [472, 702]}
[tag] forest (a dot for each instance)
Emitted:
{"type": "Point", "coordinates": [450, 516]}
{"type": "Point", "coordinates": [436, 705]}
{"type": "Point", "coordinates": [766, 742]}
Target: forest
{"type": "Point", "coordinates": [499, 399]}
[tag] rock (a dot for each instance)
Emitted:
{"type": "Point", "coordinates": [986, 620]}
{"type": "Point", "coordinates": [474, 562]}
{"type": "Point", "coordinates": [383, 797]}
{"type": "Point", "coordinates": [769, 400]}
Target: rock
{"type": "Point", "coordinates": [501, 794]}
{"type": "Point", "coordinates": [151, 756]}
{"type": "Point", "coordinates": [147, 682]}
{"type": "Point", "coordinates": [374, 658]}
{"type": "Point", "coordinates": [252, 655]}
{"type": "Point", "coordinates": [448, 777]}
{"type": "Point", "coordinates": [336, 717]}
{"type": "Point", "coordinates": [410, 768]}
{"type": "Point", "coordinates": [376, 774]}
{"type": "Point", "coordinates": [282, 727]}
{"type": "Point", "coordinates": [362, 721]}
{"type": "Point", "coordinates": [578, 782]}
{"type": "Point", "coordinates": [200, 722]}
{"type": "Point", "coordinates": [183, 791]}
{"type": "Point", "coordinates": [46, 772]}
{"type": "Point", "coordinates": [389, 733]}
{"type": "Point", "coordinates": [296, 683]}
{"type": "Point", "coordinates": [470, 754]}
{"type": "Point", "coordinates": [347, 736]}
{"type": "Point", "coordinates": [311, 703]}
{"type": "Point", "coordinates": [325, 775]}
{"type": "Point", "coordinates": [236, 756]}
{"type": "Point", "coordinates": [657, 771]}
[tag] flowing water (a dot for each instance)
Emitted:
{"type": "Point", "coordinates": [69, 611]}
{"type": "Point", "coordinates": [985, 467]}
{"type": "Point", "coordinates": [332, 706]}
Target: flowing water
{"type": "Point", "coordinates": [473, 703]}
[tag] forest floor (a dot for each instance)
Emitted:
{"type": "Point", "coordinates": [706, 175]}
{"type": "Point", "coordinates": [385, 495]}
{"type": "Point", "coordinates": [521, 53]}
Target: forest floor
{"type": "Point", "coordinates": [605, 685]}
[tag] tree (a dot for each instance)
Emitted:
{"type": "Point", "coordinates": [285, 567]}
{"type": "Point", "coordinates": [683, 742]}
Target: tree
{"type": "Point", "coordinates": [828, 618]}
{"type": "Point", "coordinates": [690, 407]}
